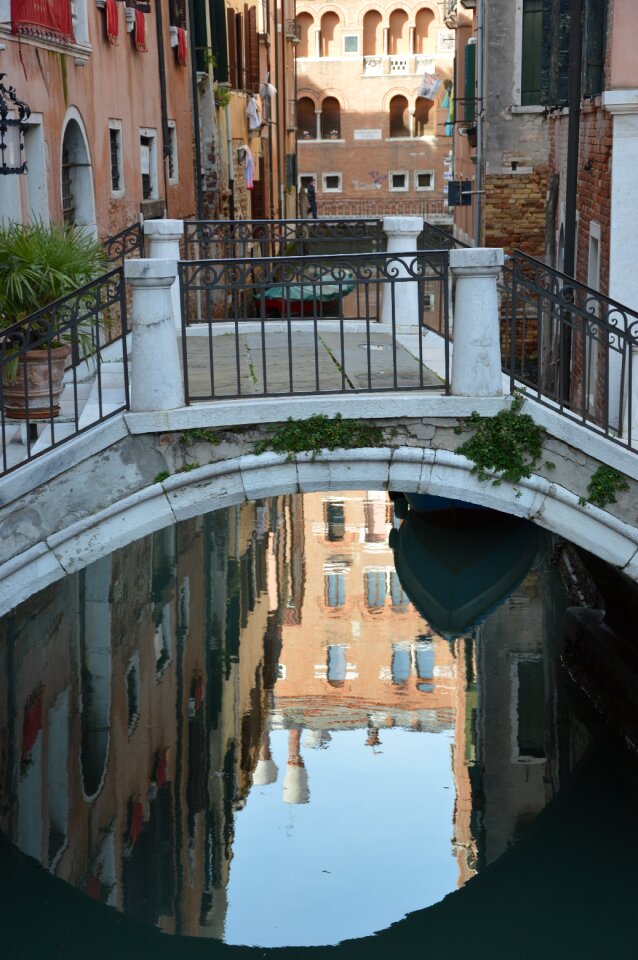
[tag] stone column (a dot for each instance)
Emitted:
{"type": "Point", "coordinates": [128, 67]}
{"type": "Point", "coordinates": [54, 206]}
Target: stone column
{"type": "Point", "coordinates": [401, 298]}
{"type": "Point", "coordinates": [630, 427]}
{"type": "Point", "coordinates": [623, 247]}
{"type": "Point", "coordinates": [476, 358]}
{"type": "Point", "coordinates": [162, 243]}
{"type": "Point", "coordinates": [156, 376]}
{"type": "Point", "coordinates": [318, 115]}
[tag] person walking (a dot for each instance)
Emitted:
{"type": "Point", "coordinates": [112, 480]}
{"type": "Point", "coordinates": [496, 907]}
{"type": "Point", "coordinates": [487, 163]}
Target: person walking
{"type": "Point", "coordinates": [312, 199]}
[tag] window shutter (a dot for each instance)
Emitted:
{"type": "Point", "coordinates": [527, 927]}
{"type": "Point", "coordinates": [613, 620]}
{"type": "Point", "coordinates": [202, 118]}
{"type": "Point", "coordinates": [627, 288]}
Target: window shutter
{"type": "Point", "coordinates": [532, 45]}
{"type": "Point", "coordinates": [595, 28]}
{"type": "Point", "coordinates": [217, 12]}
{"type": "Point", "coordinates": [469, 87]}
{"type": "Point", "coordinates": [253, 59]}
{"type": "Point", "coordinates": [232, 49]}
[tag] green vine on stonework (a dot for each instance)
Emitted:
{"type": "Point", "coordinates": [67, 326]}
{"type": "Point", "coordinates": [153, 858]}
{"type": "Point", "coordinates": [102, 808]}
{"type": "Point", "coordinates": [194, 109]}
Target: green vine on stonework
{"type": "Point", "coordinates": [605, 483]}
{"type": "Point", "coordinates": [320, 432]}
{"type": "Point", "coordinates": [508, 445]}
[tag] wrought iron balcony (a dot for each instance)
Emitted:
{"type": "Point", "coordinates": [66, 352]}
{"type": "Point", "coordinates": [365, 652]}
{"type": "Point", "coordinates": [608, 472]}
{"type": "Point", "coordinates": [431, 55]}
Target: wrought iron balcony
{"type": "Point", "coordinates": [293, 31]}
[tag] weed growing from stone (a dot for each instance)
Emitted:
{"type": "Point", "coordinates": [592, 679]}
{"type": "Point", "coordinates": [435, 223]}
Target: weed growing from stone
{"type": "Point", "coordinates": [161, 477]}
{"type": "Point", "coordinates": [321, 433]}
{"type": "Point", "coordinates": [199, 434]}
{"type": "Point", "coordinates": [508, 445]}
{"type": "Point", "coordinates": [603, 487]}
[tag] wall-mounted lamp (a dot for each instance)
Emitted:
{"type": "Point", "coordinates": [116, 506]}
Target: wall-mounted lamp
{"type": "Point", "coordinates": [13, 116]}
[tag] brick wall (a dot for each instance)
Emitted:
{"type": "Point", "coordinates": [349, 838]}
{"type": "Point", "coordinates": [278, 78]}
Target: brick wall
{"type": "Point", "coordinates": [515, 211]}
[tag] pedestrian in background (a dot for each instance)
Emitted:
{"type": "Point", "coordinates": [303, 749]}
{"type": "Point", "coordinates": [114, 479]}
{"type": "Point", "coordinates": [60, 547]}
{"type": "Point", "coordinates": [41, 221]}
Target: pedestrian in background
{"type": "Point", "coordinates": [312, 199]}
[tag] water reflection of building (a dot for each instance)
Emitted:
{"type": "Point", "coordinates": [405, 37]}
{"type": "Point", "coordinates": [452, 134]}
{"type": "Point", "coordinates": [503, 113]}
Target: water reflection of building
{"type": "Point", "coordinates": [131, 725]}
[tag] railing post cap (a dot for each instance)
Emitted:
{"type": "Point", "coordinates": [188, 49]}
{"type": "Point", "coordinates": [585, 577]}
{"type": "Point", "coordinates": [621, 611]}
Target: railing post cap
{"type": "Point", "coordinates": [164, 229]}
{"type": "Point", "coordinates": [151, 272]}
{"type": "Point", "coordinates": [403, 225]}
{"type": "Point", "coordinates": [477, 258]}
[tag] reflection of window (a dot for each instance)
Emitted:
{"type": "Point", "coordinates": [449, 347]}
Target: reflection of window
{"type": "Point", "coordinates": [335, 521]}
{"type": "Point", "coordinates": [424, 651]}
{"type": "Point", "coordinates": [530, 697]}
{"type": "Point", "coordinates": [400, 599]}
{"type": "Point", "coordinates": [336, 664]}
{"type": "Point", "coordinates": [115, 146]}
{"type": "Point", "coordinates": [162, 642]}
{"type": "Point", "coordinates": [133, 693]}
{"type": "Point", "coordinates": [400, 662]}
{"type": "Point", "coordinates": [335, 589]}
{"type": "Point", "coordinates": [375, 588]}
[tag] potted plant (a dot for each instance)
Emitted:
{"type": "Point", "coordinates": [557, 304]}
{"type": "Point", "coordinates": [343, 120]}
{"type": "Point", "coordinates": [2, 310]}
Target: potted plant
{"type": "Point", "coordinates": [39, 263]}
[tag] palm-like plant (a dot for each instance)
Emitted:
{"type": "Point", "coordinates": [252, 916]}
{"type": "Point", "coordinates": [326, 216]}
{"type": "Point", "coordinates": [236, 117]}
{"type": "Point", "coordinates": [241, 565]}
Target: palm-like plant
{"type": "Point", "coordinates": [41, 262]}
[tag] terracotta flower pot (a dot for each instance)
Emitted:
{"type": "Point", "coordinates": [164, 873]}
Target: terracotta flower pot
{"type": "Point", "coordinates": [39, 397]}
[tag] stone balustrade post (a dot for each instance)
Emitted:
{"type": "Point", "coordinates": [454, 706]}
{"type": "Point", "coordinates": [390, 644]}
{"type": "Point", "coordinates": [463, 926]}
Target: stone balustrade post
{"type": "Point", "coordinates": [156, 375]}
{"type": "Point", "coordinates": [476, 358]}
{"type": "Point", "coordinates": [401, 297]}
{"type": "Point", "coordinates": [162, 243]}
{"type": "Point", "coordinates": [630, 412]}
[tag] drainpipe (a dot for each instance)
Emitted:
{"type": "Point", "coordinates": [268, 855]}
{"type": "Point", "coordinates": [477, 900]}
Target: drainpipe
{"type": "Point", "coordinates": [573, 135]}
{"type": "Point", "coordinates": [280, 90]}
{"type": "Point", "coordinates": [161, 61]}
{"type": "Point", "coordinates": [197, 140]}
{"type": "Point", "coordinates": [231, 162]}
{"type": "Point", "coordinates": [480, 34]}
{"type": "Point", "coordinates": [571, 179]}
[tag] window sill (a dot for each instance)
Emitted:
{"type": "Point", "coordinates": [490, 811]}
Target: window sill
{"type": "Point", "coordinates": [518, 111]}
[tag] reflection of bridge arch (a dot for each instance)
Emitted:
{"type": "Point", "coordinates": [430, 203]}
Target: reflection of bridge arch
{"type": "Point", "coordinates": [487, 918]}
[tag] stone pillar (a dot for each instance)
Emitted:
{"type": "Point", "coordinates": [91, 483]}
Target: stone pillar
{"type": "Point", "coordinates": [623, 247]}
{"type": "Point", "coordinates": [318, 115]}
{"type": "Point", "coordinates": [476, 358]}
{"type": "Point", "coordinates": [402, 233]}
{"type": "Point", "coordinates": [386, 41]}
{"type": "Point", "coordinates": [156, 375]}
{"type": "Point", "coordinates": [162, 243]}
{"type": "Point", "coordinates": [630, 427]}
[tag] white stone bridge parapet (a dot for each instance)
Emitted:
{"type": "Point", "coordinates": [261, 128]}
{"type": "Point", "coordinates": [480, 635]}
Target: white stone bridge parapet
{"type": "Point", "coordinates": [104, 488]}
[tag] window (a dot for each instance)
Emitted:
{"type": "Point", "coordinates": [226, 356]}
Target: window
{"type": "Point", "coordinates": [330, 119]}
{"type": "Point", "coordinates": [351, 43]}
{"type": "Point", "coordinates": [133, 693]}
{"type": "Point", "coordinates": [399, 117]}
{"type": "Point", "coordinates": [531, 53]}
{"type": "Point", "coordinates": [173, 168]}
{"type": "Point", "coordinates": [422, 109]}
{"type": "Point", "coordinates": [331, 183]}
{"type": "Point", "coordinates": [372, 34]}
{"type": "Point", "coordinates": [335, 521]}
{"type": "Point", "coordinates": [401, 662]}
{"type": "Point", "coordinates": [469, 86]}
{"type": "Point", "coordinates": [115, 147]}
{"type": "Point", "coordinates": [36, 178]}
{"type": "Point", "coordinates": [335, 589]}
{"type": "Point", "coordinates": [398, 180]}
{"type": "Point", "coordinates": [529, 695]}
{"type": "Point", "coordinates": [305, 179]}
{"type": "Point", "coordinates": [329, 24]}
{"type": "Point", "coordinates": [148, 164]}
{"type": "Point", "coordinates": [306, 119]}
{"type": "Point", "coordinates": [424, 179]}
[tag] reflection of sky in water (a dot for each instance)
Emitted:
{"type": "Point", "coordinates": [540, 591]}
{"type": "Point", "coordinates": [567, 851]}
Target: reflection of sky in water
{"type": "Point", "coordinates": [379, 822]}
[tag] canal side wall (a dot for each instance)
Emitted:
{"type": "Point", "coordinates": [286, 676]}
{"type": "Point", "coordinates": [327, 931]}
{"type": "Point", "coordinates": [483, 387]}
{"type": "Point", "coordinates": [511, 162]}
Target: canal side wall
{"type": "Point", "coordinates": [101, 491]}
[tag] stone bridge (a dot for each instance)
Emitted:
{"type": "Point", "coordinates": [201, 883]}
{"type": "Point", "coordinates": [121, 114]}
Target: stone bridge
{"type": "Point", "coordinates": [142, 471]}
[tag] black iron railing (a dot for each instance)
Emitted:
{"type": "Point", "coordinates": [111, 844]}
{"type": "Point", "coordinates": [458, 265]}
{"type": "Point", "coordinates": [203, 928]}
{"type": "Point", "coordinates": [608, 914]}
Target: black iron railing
{"type": "Point", "coordinates": [569, 345]}
{"type": "Point", "coordinates": [309, 325]}
{"type": "Point", "coordinates": [54, 380]}
{"type": "Point", "coordinates": [218, 239]}
{"type": "Point", "coordinates": [127, 243]}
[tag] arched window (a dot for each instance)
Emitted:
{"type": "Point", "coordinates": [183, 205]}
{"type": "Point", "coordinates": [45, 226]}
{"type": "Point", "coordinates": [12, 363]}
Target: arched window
{"type": "Point", "coordinates": [399, 121]}
{"type": "Point", "coordinates": [422, 109]}
{"type": "Point", "coordinates": [372, 34]}
{"type": "Point", "coordinates": [423, 42]}
{"type": "Point", "coordinates": [330, 119]}
{"type": "Point", "coordinates": [304, 22]}
{"type": "Point", "coordinates": [398, 33]}
{"type": "Point", "coordinates": [329, 24]}
{"type": "Point", "coordinates": [306, 119]}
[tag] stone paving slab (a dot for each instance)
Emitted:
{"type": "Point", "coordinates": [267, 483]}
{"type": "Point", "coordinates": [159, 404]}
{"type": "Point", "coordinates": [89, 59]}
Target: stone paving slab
{"type": "Point", "coordinates": [302, 364]}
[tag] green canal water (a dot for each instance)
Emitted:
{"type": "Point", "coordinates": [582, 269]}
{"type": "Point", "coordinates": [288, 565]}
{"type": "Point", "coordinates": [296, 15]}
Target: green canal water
{"type": "Point", "coordinates": [305, 727]}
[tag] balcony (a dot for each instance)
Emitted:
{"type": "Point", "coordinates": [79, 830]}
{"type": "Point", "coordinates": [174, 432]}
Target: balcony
{"type": "Point", "coordinates": [399, 65]}
{"type": "Point", "coordinates": [373, 66]}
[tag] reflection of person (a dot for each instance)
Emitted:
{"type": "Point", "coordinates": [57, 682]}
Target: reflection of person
{"type": "Point", "coordinates": [296, 788]}
{"type": "Point", "coordinates": [312, 199]}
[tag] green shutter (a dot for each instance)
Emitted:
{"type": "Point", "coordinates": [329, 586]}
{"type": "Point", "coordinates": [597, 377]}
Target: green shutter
{"type": "Point", "coordinates": [469, 89]}
{"type": "Point", "coordinates": [532, 40]}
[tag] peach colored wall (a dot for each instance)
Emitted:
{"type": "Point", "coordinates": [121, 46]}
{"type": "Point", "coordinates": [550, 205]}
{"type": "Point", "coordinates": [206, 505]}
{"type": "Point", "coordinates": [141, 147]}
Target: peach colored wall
{"type": "Point", "coordinates": [115, 82]}
{"type": "Point", "coordinates": [623, 65]}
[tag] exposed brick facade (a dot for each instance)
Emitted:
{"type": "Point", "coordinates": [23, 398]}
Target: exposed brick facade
{"type": "Point", "coordinates": [515, 211]}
